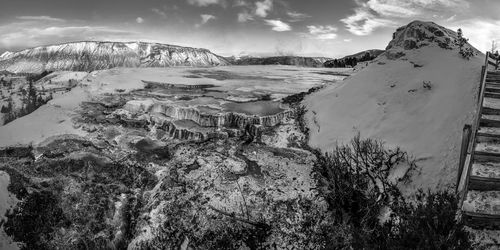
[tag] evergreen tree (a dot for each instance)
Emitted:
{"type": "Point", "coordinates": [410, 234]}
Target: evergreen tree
{"type": "Point", "coordinates": [461, 41]}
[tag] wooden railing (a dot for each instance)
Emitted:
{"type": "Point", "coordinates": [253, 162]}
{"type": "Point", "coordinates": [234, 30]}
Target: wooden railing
{"type": "Point", "coordinates": [493, 60]}
{"type": "Point", "coordinates": [468, 156]}
{"type": "Point", "coordinates": [466, 133]}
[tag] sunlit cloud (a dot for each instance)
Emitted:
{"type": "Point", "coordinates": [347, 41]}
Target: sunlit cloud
{"type": "Point", "coordinates": [363, 22]}
{"type": "Point", "coordinates": [479, 31]}
{"type": "Point", "coordinates": [372, 14]}
{"type": "Point", "coordinates": [262, 8]}
{"type": "Point", "coordinates": [205, 18]}
{"type": "Point", "coordinates": [204, 3]}
{"type": "Point", "coordinates": [297, 16]}
{"type": "Point", "coordinates": [21, 35]}
{"type": "Point", "coordinates": [159, 12]}
{"type": "Point", "coordinates": [40, 18]}
{"type": "Point", "coordinates": [320, 29]}
{"type": "Point", "coordinates": [244, 17]}
{"type": "Point", "coordinates": [278, 25]}
{"type": "Point", "coordinates": [322, 32]}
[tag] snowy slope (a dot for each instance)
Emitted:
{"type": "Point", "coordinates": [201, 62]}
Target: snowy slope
{"type": "Point", "coordinates": [89, 56]}
{"type": "Point", "coordinates": [387, 100]}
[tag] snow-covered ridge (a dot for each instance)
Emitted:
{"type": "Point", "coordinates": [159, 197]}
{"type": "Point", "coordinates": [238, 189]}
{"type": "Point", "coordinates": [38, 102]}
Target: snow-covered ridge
{"type": "Point", "coordinates": [5, 55]}
{"type": "Point", "coordinates": [90, 55]}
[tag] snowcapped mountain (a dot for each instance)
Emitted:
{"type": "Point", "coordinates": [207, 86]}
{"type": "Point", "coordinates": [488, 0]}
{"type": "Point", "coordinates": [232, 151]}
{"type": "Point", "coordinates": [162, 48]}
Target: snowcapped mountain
{"type": "Point", "coordinates": [89, 56]}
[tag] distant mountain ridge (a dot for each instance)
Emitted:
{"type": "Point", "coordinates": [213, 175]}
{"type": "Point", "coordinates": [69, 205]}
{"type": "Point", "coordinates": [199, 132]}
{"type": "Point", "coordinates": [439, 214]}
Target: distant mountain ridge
{"type": "Point", "coordinates": [93, 55]}
{"type": "Point", "coordinates": [372, 52]}
{"type": "Point", "coordinates": [281, 60]}
{"type": "Point", "coordinates": [365, 55]}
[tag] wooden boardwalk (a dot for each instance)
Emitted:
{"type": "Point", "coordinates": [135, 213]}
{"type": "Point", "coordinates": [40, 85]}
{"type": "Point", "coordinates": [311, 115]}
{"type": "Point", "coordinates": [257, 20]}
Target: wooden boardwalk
{"type": "Point", "coordinates": [478, 182]}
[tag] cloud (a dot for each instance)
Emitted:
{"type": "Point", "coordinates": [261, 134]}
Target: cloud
{"type": "Point", "coordinates": [259, 9]}
{"type": "Point", "coordinates": [322, 32]}
{"type": "Point", "coordinates": [40, 18]}
{"type": "Point", "coordinates": [392, 8]}
{"type": "Point", "coordinates": [262, 8]}
{"type": "Point", "coordinates": [139, 20]}
{"type": "Point", "coordinates": [296, 16]}
{"type": "Point", "coordinates": [372, 14]}
{"type": "Point", "coordinates": [22, 35]}
{"type": "Point", "coordinates": [363, 22]}
{"type": "Point", "coordinates": [327, 36]}
{"type": "Point", "coordinates": [412, 8]}
{"type": "Point", "coordinates": [479, 31]}
{"type": "Point", "coordinates": [205, 18]}
{"type": "Point", "coordinates": [278, 25]}
{"type": "Point", "coordinates": [244, 17]}
{"type": "Point", "coordinates": [348, 40]}
{"type": "Point", "coordinates": [239, 3]}
{"type": "Point", "coordinates": [320, 29]}
{"type": "Point", "coordinates": [204, 3]}
{"type": "Point", "coordinates": [159, 12]}
{"type": "Point", "coordinates": [451, 18]}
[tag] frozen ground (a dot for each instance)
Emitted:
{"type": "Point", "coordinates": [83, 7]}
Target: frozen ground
{"type": "Point", "coordinates": [55, 118]}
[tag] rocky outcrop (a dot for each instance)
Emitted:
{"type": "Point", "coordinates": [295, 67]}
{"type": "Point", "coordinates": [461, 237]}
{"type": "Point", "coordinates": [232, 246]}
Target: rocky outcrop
{"type": "Point", "coordinates": [418, 34]}
{"type": "Point", "coordinates": [216, 119]}
{"type": "Point", "coordinates": [221, 124]}
{"type": "Point", "coordinates": [90, 56]}
{"type": "Point", "coordinates": [177, 132]}
{"type": "Point", "coordinates": [151, 84]}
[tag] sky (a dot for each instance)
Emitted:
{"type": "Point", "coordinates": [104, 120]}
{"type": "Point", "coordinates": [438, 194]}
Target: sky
{"type": "Point", "coordinates": [330, 28]}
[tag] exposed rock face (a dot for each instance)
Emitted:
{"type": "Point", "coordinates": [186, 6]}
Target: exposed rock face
{"type": "Point", "coordinates": [89, 56]}
{"type": "Point", "coordinates": [204, 125]}
{"type": "Point", "coordinates": [418, 34]}
{"type": "Point", "coordinates": [283, 60]}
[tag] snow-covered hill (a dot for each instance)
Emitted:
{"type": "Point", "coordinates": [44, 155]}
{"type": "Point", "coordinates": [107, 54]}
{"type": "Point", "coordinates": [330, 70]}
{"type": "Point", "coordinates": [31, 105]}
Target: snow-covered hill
{"type": "Point", "coordinates": [388, 100]}
{"type": "Point", "coordinates": [89, 56]}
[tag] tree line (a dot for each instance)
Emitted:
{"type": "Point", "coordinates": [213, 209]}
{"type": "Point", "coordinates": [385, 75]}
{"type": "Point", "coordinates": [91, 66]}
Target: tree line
{"type": "Point", "coordinates": [31, 98]}
{"type": "Point", "coordinates": [348, 61]}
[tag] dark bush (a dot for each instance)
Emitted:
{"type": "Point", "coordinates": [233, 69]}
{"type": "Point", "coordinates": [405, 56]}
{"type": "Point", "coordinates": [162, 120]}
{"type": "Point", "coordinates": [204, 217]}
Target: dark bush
{"type": "Point", "coordinates": [34, 219]}
{"type": "Point", "coordinates": [426, 223]}
{"type": "Point", "coordinates": [355, 181]}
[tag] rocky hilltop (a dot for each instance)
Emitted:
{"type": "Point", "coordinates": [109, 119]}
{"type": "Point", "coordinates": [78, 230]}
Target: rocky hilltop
{"type": "Point", "coordinates": [418, 34]}
{"type": "Point", "coordinates": [90, 56]}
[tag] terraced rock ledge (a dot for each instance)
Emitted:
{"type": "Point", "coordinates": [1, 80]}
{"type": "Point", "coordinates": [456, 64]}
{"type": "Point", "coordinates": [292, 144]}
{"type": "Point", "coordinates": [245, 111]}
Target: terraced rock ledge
{"type": "Point", "coordinates": [199, 122]}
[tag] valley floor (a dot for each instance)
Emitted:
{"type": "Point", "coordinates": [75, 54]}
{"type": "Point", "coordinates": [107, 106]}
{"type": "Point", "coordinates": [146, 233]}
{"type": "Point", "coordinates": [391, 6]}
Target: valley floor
{"type": "Point", "coordinates": [128, 155]}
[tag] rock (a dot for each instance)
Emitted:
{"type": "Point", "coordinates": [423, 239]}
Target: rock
{"type": "Point", "coordinates": [418, 34]}
{"type": "Point", "coordinates": [189, 123]}
{"type": "Point", "coordinates": [236, 167]}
